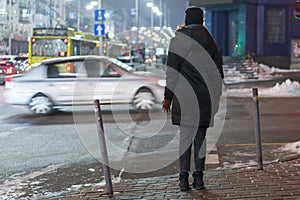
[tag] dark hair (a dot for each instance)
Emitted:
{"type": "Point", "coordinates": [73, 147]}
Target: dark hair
{"type": "Point", "coordinates": [193, 15]}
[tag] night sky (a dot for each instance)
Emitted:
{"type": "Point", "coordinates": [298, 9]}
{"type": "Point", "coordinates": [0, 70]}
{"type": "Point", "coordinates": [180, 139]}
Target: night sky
{"type": "Point", "coordinates": [175, 8]}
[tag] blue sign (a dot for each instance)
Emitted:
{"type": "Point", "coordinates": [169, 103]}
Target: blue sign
{"type": "Point", "coordinates": [99, 15]}
{"type": "Point", "coordinates": [99, 29]}
{"type": "Point", "coordinates": [133, 11]}
{"type": "Point", "coordinates": [72, 15]}
{"type": "Point", "coordinates": [28, 11]}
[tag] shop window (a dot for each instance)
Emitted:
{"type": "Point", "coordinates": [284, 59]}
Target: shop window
{"type": "Point", "coordinates": [276, 31]}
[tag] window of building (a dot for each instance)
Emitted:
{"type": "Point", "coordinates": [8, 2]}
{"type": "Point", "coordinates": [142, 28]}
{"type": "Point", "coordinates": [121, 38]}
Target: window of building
{"type": "Point", "coordinates": [276, 25]}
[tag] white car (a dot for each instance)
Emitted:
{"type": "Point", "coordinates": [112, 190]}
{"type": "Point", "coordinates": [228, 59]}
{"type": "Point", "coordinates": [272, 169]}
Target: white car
{"type": "Point", "coordinates": [79, 80]}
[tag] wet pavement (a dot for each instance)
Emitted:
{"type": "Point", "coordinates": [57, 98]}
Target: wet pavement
{"type": "Point", "coordinates": [236, 176]}
{"type": "Point", "coordinates": [280, 179]}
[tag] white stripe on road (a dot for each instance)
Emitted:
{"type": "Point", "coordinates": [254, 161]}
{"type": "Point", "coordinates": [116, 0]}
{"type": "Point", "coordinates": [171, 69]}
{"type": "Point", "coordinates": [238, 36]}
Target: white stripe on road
{"type": "Point", "coordinates": [8, 133]}
{"type": "Point", "coordinates": [19, 128]}
{"type": "Point", "coordinates": [5, 134]}
{"type": "Point", "coordinates": [13, 184]}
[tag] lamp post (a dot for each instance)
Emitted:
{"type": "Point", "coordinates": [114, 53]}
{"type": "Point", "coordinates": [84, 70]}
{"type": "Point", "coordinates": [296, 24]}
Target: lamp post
{"type": "Point", "coordinates": [160, 14]}
{"type": "Point", "coordinates": [10, 29]}
{"type": "Point", "coordinates": [152, 17]}
{"type": "Point", "coordinates": [78, 15]}
{"type": "Point", "coordinates": [137, 13]}
{"type": "Point", "coordinates": [100, 6]}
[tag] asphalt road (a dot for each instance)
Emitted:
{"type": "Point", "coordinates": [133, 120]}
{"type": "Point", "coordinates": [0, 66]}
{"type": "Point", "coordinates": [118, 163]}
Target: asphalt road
{"type": "Point", "coordinates": [59, 151]}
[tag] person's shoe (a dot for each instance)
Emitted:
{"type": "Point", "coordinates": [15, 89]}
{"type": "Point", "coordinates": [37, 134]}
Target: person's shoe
{"type": "Point", "coordinates": [198, 183]}
{"type": "Point", "coordinates": [184, 181]}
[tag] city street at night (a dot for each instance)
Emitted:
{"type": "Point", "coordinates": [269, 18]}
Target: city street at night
{"type": "Point", "coordinates": [122, 99]}
{"type": "Point", "coordinates": [44, 156]}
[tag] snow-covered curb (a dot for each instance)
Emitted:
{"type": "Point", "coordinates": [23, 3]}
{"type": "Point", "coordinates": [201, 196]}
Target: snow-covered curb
{"type": "Point", "coordinates": [293, 147]}
{"type": "Point", "coordinates": [285, 89]}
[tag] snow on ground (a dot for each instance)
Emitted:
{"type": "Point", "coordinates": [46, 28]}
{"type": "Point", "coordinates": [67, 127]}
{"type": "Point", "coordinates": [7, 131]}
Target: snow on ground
{"type": "Point", "coordinates": [252, 71]}
{"type": "Point", "coordinates": [249, 71]}
{"type": "Point", "coordinates": [286, 89]}
{"type": "Point", "coordinates": [293, 147]}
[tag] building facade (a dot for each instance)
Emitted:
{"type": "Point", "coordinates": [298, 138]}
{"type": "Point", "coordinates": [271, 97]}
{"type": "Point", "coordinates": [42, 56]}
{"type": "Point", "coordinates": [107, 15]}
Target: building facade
{"type": "Point", "coordinates": [263, 28]}
{"type": "Point", "coordinates": [17, 19]}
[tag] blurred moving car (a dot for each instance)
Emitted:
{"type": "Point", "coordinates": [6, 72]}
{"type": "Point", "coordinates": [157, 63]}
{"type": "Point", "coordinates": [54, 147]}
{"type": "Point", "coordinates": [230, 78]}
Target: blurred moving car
{"type": "Point", "coordinates": [6, 68]}
{"type": "Point", "coordinates": [78, 80]}
{"type": "Point", "coordinates": [132, 61]}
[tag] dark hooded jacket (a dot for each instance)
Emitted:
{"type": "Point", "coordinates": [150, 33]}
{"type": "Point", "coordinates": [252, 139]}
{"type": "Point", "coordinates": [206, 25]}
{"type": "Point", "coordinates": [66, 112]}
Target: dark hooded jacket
{"type": "Point", "coordinates": [194, 80]}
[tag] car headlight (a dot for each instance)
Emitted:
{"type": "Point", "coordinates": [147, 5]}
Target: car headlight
{"type": "Point", "coordinates": [162, 82]}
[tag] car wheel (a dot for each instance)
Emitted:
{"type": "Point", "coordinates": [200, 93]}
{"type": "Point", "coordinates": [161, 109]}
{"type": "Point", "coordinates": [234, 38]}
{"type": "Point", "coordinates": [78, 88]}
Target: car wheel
{"type": "Point", "coordinates": [40, 104]}
{"type": "Point", "coordinates": [143, 100]}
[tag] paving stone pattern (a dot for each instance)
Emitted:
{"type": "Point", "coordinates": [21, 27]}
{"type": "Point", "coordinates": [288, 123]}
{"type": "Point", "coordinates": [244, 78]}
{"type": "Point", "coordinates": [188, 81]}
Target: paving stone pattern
{"type": "Point", "coordinates": [278, 180]}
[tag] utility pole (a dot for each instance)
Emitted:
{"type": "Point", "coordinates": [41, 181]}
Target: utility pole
{"type": "Point", "coordinates": [78, 15]}
{"type": "Point", "coordinates": [137, 13]}
{"type": "Point", "coordinates": [100, 6]}
{"type": "Point", "coordinates": [160, 16]}
{"type": "Point", "coordinates": [10, 29]}
{"type": "Point", "coordinates": [152, 18]}
{"type": "Point", "coordinates": [50, 13]}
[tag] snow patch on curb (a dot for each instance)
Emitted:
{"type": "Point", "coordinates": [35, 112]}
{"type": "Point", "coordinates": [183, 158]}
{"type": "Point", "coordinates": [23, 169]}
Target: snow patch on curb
{"type": "Point", "coordinates": [286, 89]}
{"type": "Point", "coordinates": [293, 147]}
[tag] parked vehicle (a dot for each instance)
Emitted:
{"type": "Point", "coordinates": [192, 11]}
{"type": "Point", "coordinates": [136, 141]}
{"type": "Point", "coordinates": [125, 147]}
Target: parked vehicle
{"type": "Point", "coordinates": [78, 80]}
{"type": "Point", "coordinates": [21, 64]}
{"type": "Point", "coordinates": [6, 68]}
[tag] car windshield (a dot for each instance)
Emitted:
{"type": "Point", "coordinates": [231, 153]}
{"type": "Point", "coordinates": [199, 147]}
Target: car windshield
{"type": "Point", "coordinates": [121, 64]}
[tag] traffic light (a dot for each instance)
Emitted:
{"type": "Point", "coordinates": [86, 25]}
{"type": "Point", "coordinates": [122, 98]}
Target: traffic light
{"type": "Point", "coordinates": [297, 10]}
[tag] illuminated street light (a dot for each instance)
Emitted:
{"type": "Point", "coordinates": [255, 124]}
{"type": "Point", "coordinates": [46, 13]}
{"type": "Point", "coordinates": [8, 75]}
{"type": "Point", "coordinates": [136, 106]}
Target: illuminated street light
{"type": "Point", "coordinates": [107, 15]}
{"type": "Point", "coordinates": [89, 7]}
{"type": "Point", "coordinates": [94, 3]}
{"type": "Point", "coordinates": [149, 4]}
{"type": "Point", "coordinates": [134, 28]}
{"type": "Point", "coordinates": [155, 9]}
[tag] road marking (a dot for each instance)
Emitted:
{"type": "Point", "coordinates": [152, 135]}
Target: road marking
{"type": "Point", "coordinates": [253, 144]}
{"type": "Point", "coordinates": [18, 128]}
{"type": "Point", "coordinates": [8, 133]}
{"type": "Point", "coordinates": [5, 134]}
{"type": "Point", "coordinates": [13, 184]}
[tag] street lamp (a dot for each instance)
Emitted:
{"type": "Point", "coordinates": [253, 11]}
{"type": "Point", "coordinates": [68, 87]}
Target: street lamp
{"type": "Point", "coordinates": [149, 4]}
{"type": "Point", "coordinates": [89, 7]}
{"type": "Point", "coordinates": [137, 13]}
{"type": "Point", "coordinates": [156, 10]}
{"type": "Point", "coordinates": [100, 6]}
{"type": "Point", "coordinates": [10, 29]}
{"type": "Point", "coordinates": [94, 3]}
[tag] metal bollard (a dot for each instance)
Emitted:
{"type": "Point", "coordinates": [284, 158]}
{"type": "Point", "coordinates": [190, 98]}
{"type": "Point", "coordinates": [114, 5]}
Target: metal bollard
{"type": "Point", "coordinates": [103, 148]}
{"type": "Point", "coordinates": [257, 130]}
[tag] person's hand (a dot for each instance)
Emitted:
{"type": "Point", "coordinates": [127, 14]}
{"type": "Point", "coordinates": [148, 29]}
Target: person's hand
{"type": "Point", "coordinates": [166, 104]}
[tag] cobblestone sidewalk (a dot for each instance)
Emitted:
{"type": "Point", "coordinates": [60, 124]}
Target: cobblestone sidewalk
{"type": "Point", "coordinates": [279, 180]}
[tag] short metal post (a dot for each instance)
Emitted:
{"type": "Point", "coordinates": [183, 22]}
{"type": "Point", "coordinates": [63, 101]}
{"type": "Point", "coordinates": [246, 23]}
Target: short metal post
{"type": "Point", "coordinates": [257, 130]}
{"type": "Point", "coordinates": [103, 148]}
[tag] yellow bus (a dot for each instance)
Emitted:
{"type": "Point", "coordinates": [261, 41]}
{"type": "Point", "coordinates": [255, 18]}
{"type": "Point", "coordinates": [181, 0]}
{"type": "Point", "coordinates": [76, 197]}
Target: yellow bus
{"type": "Point", "coordinates": [48, 43]}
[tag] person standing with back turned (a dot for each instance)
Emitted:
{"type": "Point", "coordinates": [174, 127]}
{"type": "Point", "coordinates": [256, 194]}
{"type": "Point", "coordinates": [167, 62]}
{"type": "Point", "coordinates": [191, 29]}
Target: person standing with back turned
{"type": "Point", "coordinates": [183, 75]}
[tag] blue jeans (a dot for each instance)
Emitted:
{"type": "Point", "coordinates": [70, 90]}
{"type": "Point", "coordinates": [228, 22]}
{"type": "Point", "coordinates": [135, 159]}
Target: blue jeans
{"type": "Point", "coordinates": [190, 135]}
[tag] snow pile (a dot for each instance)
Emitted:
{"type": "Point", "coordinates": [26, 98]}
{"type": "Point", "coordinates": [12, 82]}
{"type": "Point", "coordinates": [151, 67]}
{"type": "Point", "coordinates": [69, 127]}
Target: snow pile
{"type": "Point", "coordinates": [264, 71]}
{"type": "Point", "coordinates": [249, 70]}
{"type": "Point", "coordinates": [294, 147]}
{"type": "Point", "coordinates": [285, 89]}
